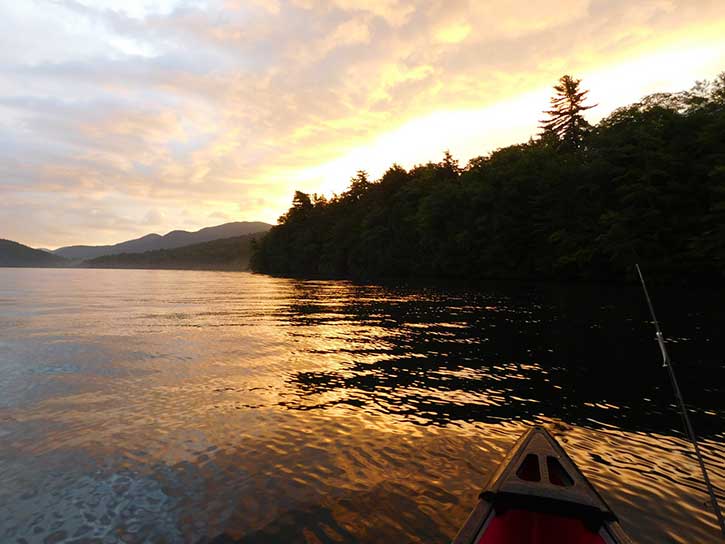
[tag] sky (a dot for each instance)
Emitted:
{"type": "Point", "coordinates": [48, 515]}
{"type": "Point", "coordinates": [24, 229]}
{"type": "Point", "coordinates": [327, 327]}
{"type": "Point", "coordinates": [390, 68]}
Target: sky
{"type": "Point", "coordinates": [122, 118]}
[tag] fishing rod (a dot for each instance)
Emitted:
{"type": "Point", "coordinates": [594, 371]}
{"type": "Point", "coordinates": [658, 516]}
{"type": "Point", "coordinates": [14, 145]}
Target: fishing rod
{"type": "Point", "coordinates": [666, 362]}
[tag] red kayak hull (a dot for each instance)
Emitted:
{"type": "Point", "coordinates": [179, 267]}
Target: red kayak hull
{"type": "Point", "coordinates": [539, 496]}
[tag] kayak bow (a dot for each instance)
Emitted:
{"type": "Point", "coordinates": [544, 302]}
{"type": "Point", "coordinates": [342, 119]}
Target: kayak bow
{"type": "Point", "coordinates": [539, 496]}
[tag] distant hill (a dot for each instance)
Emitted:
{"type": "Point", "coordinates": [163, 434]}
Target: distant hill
{"type": "Point", "coordinates": [174, 239]}
{"type": "Point", "coordinates": [225, 254]}
{"type": "Point", "coordinates": [15, 254]}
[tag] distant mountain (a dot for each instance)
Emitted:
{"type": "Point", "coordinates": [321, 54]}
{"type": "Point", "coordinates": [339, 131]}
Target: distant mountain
{"type": "Point", "coordinates": [225, 254]}
{"type": "Point", "coordinates": [15, 254]}
{"type": "Point", "coordinates": [176, 238]}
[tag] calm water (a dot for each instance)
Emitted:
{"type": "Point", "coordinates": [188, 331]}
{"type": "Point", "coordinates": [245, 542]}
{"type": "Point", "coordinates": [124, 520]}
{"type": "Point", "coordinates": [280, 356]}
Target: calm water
{"type": "Point", "coordinates": [173, 406]}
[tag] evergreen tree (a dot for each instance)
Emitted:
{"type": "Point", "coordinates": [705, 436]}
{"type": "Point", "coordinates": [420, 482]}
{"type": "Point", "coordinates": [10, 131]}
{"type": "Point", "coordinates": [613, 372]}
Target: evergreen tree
{"type": "Point", "coordinates": [565, 116]}
{"type": "Point", "coordinates": [301, 205]}
{"type": "Point", "coordinates": [358, 185]}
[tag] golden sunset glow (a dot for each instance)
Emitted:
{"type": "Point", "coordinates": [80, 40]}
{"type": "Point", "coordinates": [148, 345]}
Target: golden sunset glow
{"type": "Point", "coordinates": [473, 132]}
{"type": "Point", "coordinates": [155, 117]}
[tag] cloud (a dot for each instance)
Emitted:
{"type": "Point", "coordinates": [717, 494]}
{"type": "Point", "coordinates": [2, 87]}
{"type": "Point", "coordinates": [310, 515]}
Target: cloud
{"type": "Point", "coordinates": [194, 108]}
{"type": "Point", "coordinates": [154, 217]}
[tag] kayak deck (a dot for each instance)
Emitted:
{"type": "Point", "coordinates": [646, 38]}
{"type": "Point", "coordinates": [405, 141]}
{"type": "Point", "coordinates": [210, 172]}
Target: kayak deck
{"type": "Point", "coordinates": [539, 496]}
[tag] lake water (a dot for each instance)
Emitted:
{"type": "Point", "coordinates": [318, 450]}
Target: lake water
{"type": "Point", "coordinates": [178, 406]}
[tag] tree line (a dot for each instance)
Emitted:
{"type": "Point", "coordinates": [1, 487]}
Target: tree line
{"type": "Point", "coordinates": [646, 184]}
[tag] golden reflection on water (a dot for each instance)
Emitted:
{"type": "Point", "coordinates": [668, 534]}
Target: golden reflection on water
{"type": "Point", "coordinates": [149, 405]}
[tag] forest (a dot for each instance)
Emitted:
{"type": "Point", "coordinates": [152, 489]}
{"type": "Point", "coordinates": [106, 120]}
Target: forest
{"type": "Point", "coordinates": [578, 202]}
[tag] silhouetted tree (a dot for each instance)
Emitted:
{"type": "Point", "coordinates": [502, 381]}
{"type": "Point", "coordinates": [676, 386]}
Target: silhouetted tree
{"type": "Point", "coordinates": [565, 116]}
{"type": "Point", "coordinates": [301, 201]}
{"type": "Point", "coordinates": [449, 163]}
{"type": "Point", "coordinates": [301, 205]}
{"type": "Point", "coordinates": [358, 185]}
{"type": "Point", "coordinates": [718, 89]}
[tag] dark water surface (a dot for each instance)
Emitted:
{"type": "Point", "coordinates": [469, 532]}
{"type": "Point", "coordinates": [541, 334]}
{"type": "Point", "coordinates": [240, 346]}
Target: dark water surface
{"type": "Point", "coordinates": [174, 406]}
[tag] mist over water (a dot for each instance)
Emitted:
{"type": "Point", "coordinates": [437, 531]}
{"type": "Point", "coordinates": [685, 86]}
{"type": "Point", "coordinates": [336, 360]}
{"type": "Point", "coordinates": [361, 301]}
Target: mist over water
{"type": "Point", "coordinates": [186, 406]}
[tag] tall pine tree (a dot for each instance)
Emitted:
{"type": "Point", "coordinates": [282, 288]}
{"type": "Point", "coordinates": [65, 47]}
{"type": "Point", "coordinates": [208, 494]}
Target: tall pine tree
{"type": "Point", "coordinates": [565, 120]}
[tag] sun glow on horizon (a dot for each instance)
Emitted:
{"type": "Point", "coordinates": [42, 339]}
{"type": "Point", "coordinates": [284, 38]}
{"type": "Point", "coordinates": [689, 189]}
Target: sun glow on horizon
{"type": "Point", "coordinates": [470, 133]}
